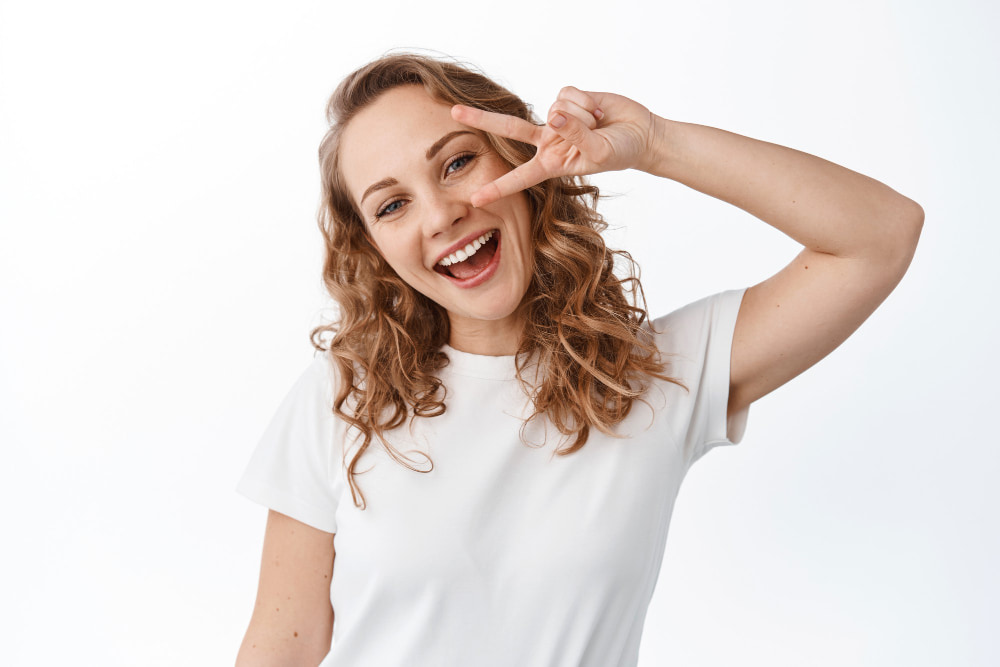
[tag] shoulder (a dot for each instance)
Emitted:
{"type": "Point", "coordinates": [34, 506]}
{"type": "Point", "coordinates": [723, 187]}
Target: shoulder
{"type": "Point", "coordinates": [318, 379]}
{"type": "Point", "coordinates": [698, 325]}
{"type": "Point", "coordinates": [305, 414]}
{"type": "Point", "coordinates": [295, 468]}
{"type": "Point", "coordinates": [323, 371]}
{"type": "Point", "coordinates": [696, 342]}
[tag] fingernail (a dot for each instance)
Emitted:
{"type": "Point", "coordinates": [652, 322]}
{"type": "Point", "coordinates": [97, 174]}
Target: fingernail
{"type": "Point", "coordinates": [557, 120]}
{"type": "Point", "coordinates": [598, 114]}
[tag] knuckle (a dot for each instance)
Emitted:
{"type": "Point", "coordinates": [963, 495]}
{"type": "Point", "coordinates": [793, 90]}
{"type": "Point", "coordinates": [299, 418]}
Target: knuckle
{"type": "Point", "coordinates": [572, 129]}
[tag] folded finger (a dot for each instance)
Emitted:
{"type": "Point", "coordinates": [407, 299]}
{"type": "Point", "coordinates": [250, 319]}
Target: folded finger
{"type": "Point", "coordinates": [499, 124]}
{"type": "Point", "coordinates": [568, 107]}
{"type": "Point", "coordinates": [523, 177]}
{"type": "Point", "coordinates": [582, 99]}
{"type": "Point", "coordinates": [591, 144]}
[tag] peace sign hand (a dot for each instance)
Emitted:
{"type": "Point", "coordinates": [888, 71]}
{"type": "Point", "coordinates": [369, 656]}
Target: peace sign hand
{"type": "Point", "coordinates": [587, 133]}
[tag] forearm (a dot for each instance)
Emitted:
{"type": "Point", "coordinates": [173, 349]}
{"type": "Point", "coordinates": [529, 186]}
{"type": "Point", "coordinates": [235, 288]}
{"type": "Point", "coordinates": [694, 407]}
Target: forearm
{"type": "Point", "coordinates": [823, 206]}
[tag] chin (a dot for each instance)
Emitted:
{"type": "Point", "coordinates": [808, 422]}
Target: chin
{"type": "Point", "coordinates": [491, 310]}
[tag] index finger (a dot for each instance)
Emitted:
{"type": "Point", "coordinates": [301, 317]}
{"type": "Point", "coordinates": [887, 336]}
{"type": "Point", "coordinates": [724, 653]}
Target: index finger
{"type": "Point", "coordinates": [520, 178]}
{"type": "Point", "coordinates": [500, 124]}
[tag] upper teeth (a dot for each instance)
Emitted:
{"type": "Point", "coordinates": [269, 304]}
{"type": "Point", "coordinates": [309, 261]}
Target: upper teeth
{"type": "Point", "coordinates": [468, 251]}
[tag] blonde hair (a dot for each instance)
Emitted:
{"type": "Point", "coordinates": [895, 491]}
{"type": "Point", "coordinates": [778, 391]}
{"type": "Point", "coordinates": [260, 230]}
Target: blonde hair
{"type": "Point", "coordinates": [583, 324]}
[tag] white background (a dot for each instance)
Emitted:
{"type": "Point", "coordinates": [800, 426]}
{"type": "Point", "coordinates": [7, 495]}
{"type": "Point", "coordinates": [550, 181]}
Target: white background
{"type": "Point", "coordinates": [159, 264]}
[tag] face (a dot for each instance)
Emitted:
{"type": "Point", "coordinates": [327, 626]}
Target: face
{"type": "Point", "coordinates": [411, 171]}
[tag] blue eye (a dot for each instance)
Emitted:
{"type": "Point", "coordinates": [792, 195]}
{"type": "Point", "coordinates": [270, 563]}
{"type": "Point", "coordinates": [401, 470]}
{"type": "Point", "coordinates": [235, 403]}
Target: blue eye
{"type": "Point", "coordinates": [389, 208]}
{"type": "Point", "coordinates": [459, 163]}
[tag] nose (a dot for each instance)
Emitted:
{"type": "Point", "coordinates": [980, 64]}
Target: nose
{"type": "Point", "coordinates": [445, 210]}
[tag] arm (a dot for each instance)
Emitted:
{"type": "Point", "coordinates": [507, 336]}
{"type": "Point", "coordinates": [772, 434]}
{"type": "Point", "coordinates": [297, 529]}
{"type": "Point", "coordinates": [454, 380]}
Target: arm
{"type": "Point", "coordinates": [859, 235]}
{"type": "Point", "coordinates": [292, 622]}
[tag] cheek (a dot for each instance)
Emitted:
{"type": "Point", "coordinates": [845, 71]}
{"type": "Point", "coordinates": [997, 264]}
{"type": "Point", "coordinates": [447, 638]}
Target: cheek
{"type": "Point", "coordinates": [491, 167]}
{"type": "Point", "coordinates": [378, 246]}
{"type": "Point", "coordinates": [395, 251]}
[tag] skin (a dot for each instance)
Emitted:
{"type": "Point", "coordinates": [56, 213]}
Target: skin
{"type": "Point", "coordinates": [858, 237]}
{"type": "Point", "coordinates": [292, 622]}
{"type": "Point", "coordinates": [858, 234]}
{"type": "Point", "coordinates": [430, 209]}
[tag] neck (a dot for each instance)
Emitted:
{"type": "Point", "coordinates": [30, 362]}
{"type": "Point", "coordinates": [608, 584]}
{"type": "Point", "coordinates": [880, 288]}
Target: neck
{"type": "Point", "coordinates": [493, 338]}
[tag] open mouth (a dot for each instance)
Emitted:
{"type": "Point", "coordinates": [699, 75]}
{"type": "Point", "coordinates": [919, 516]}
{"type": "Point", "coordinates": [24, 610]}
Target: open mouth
{"type": "Point", "coordinates": [473, 260]}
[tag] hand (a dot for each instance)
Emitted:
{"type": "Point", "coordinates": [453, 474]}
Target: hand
{"type": "Point", "coordinates": [587, 133]}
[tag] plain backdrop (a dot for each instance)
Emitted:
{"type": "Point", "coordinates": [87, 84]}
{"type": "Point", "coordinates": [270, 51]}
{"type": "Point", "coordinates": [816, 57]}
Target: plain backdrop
{"type": "Point", "coordinates": [159, 266]}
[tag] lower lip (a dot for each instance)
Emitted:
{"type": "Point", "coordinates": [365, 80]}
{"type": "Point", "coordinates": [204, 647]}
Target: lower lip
{"type": "Point", "coordinates": [485, 274]}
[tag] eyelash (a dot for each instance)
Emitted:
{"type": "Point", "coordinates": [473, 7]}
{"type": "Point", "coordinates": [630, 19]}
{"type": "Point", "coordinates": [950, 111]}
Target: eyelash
{"type": "Point", "coordinates": [469, 155]}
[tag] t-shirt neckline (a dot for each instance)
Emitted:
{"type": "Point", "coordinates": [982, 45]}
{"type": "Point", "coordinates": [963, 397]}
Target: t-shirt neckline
{"type": "Point", "coordinates": [480, 365]}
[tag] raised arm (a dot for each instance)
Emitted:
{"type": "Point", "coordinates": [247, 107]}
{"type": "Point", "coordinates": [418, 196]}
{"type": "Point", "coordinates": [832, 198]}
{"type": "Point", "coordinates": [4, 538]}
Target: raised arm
{"type": "Point", "coordinates": [292, 622]}
{"type": "Point", "coordinates": [858, 234]}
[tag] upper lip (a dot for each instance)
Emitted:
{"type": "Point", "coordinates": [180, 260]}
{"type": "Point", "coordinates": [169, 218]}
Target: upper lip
{"type": "Point", "coordinates": [458, 245]}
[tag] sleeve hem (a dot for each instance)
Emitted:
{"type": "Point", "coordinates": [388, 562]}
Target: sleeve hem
{"type": "Point", "coordinates": [725, 430]}
{"type": "Point", "coordinates": [288, 505]}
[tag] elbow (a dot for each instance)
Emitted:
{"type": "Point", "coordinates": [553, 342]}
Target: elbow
{"type": "Point", "coordinates": [915, 220]}
{"type": "Point", "coordinates": [914, 225]}
{"type": "Point", "coordinates": [907, 223]}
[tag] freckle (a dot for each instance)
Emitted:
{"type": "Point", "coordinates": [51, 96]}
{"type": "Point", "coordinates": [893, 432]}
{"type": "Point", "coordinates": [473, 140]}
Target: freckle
{"type": "Point", "coordinates": [807, 267]}
{"type": "Point", "coordinates": [277, 608]}
{"type": "Point", "coordinates": [254, 646]}
{"type": "Point", "coordinates": [296, 634]}
{"type": "Point", "coordinates": [326, 576]}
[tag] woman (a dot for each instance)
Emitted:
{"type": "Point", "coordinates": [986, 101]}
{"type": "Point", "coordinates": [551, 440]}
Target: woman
{"type": "Point", "coordinates": [519, 429]}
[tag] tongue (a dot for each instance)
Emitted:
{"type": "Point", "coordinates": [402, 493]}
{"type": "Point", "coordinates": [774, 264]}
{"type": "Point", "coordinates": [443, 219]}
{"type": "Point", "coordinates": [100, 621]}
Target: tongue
{"type": "Point", "coordinates": [475, 264]}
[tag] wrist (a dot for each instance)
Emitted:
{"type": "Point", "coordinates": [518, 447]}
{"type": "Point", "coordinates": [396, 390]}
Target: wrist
{"type": "Point", "coordinates": [656, 157]}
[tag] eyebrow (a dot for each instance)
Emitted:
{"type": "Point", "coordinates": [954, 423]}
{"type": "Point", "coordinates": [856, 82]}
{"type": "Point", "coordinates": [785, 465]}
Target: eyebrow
{"type": "Point", "coordinates": [439, 144]}
{"type": "Point", "coordinates": [384, 183]}
{"type": "Point", "coordinates": [431, 152]}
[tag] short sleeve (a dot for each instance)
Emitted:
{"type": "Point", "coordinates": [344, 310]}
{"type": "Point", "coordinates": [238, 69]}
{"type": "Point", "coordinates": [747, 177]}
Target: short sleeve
{"type": "Point", "coordinates": [697, 341]}
{"type": "Point", "coordinates": [294, 469]}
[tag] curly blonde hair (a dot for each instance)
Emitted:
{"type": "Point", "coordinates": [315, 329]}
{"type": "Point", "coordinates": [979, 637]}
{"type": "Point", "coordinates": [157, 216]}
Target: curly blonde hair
{"type": "Point", "coordinates": [583, 324]}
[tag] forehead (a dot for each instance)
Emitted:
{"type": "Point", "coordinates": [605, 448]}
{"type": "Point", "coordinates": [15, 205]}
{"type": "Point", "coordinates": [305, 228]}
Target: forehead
{"type": "Point", "coordinates": [391, 136]}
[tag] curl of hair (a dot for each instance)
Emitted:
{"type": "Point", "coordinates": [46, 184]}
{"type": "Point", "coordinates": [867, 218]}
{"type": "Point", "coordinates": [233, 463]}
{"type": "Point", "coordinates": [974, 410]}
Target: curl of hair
{"type": "Point", "coordinates": [583, 324]}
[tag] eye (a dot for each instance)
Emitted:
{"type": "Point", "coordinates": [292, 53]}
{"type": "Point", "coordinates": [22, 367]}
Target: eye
{"type": "Point", "coordinates": [389, 208]}
{"type": "Point", "coordinates": [459, 163]}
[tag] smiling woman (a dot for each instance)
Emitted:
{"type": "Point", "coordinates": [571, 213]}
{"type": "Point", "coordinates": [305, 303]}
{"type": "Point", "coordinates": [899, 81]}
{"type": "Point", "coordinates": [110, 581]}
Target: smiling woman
{"type": "Point", "coordinates": [400, 173]}
{"type": "Point", "coordinates": [423, 224]}
{"type": "Point", "coordinates": [483, 330]}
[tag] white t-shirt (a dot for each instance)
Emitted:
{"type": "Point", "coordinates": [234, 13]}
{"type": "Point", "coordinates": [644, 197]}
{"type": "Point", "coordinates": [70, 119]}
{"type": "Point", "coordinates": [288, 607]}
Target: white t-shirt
{"type": "Point", "coordinates": [503, 554]}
